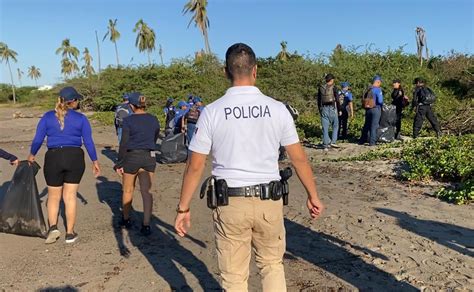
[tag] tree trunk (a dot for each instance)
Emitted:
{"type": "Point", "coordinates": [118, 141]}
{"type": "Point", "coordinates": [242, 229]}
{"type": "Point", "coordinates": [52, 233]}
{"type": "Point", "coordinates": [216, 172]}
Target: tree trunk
{"type": "Point", "coordinates": [206, 42]}
{"type": "Point", "coordinates": [36, 82]}
{"type": "Point", "coordinates": [149, 59]}
{"type": "Point", "coordinates": [116, 54]}
{"type": "Point", "coordinates": [13, 84]}
{"type": "Point", "coordinates": [98, 51]}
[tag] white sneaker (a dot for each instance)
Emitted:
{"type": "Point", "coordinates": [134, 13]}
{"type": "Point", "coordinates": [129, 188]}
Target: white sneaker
{"type": "Point", "coordinates": [53, 235]}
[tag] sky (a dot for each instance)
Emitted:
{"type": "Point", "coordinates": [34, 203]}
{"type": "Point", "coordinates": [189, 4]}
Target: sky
{"type": "Point", "coordinates": [35, 28]}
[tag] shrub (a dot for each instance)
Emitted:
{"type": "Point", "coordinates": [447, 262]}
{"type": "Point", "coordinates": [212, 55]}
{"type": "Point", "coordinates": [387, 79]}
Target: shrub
{"type": "Point", "coordinates": [449, 158]}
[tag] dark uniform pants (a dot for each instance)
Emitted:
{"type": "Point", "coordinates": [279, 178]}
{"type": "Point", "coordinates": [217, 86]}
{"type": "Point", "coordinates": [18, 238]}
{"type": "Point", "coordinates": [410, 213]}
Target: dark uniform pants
{"type": "Point", "coordinates": [343, 119]}
{"type": "Point", "coordinates": [243, 224]}
{"type": "Point", "coordinates": [423, 111]}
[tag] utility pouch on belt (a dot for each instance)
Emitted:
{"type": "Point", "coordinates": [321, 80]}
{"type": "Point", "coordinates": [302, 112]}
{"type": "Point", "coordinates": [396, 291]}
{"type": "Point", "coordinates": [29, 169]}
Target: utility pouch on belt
{"type": "Point", "coordinates": [285, 176]}
{"type": "Point", "coordinates": [216, 192]}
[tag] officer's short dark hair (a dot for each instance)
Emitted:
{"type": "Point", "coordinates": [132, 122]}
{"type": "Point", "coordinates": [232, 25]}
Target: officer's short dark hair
{"type": "Point", "coordinates": [328, 77]}
{"type": "Point", "coordinates": [239, 60]}
{"type": "Point", "coordinates": [418, 80]}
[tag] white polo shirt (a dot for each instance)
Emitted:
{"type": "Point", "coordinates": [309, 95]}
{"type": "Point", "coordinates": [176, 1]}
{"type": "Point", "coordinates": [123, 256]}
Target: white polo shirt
{"type": "Point", "coordinates": [244, 130]}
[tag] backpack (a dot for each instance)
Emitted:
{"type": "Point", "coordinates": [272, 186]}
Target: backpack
{"type": "Point", "coordinates": [193, 115]}
{"type": "Point", "coordinates": [341, 97]}
{"type": "Point", "coordinates": [121, 113]}
{"type": "Point", "coordinates": [327, 94]}
{"type": "Point", "coordinates": [368, 100]}
{"type": "Point", "coordinates": [293, 111]}
{"type": "Point", "coordinates": [427, 96]}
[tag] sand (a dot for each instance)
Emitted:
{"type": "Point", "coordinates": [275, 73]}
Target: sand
{"type": "Point", "coordinates": [377, 234]}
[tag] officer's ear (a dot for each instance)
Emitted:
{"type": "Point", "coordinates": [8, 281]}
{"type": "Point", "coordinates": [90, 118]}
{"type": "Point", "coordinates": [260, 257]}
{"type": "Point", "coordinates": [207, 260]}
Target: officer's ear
{"type": "Point", "coordinates": [227, 74]}
{"type": "Point", "coordinates": [254, 72]}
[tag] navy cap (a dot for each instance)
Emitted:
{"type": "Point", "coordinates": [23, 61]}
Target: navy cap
{"type": "Point", "coordinates": [134, 98]}
{"type": "Point", "coordinates": [69, 94]}
{"type": "Point", "coordinates": [125, 96]}
{"type": "Point", "coordinates": [170, 99]}
{"type": "Point", "coordinates": [197, 99]}
{"type": "Point", "coordinates": [182, 103]}
{"type": "Point", "coordinates": [345, 84]}
{"type": "Point", "coordinates": [377, 78]}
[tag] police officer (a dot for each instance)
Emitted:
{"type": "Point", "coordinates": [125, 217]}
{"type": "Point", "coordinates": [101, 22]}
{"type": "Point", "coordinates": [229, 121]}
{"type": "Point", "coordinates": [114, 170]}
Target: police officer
{"type": "Point", "coordinates": [243, 130]}
{"type": "Point", "coordinates": [423, 99]}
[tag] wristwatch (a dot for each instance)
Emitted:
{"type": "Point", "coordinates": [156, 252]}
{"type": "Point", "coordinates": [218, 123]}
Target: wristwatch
{"type": "Point", "coordinates": [179, 211]}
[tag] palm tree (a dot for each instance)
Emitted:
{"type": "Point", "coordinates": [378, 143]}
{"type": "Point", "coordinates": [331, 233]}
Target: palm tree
{"type": "Point", "coordinates": [98, 51]}
{"type": "Point", "coordinates": [145, 40]}
{"type": "Point", "coordinates": [114, 36]}
{"type": "Point", "coordinates": [20, 74]}
{"type": "Point", "coordinates": [283, 55]}
{"type": "Point", "coordinates": [6, 54]}
{"type": "Point", "coordinates": [68, 67]}
{"type": "Point", "coordinates": [67, 50]}
{"type": "Point", "coordinates": [34, 73]}
{"type": "Point", "coordinates": [199, 8]}
{"type": "Point", "coordinates": [70, 55]}
{"type": "Point", "coordinates": [161, 54]}
{"type": "Point", "coordinates": [88, 69]}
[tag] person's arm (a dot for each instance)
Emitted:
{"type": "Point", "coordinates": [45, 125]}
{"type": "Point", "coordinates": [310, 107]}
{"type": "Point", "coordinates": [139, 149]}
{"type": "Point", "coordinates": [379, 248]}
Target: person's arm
{"type": "Point", "coordinates": [319, 98]}
{"type": "Point", "coordinates": [305, 174]}
{"type": "Point", "coordinates": [415, 99]}
{"type": "Point", "coordinates": [379, 96]}
{"type": "Point", "coordinates": [38, 139]}
{"type": "Point", "coordinates": [90, 146]}
{"type": "Point", "coordinates": [200, 147]}
{"type": "Point", "coordinates": [10, 157]}
{"type": "Point", "coordinates": [123, 145]}
{"type": "Point", "coordinates": [338, 104]}
{"type": "Point", "coordinates": [192, 176]}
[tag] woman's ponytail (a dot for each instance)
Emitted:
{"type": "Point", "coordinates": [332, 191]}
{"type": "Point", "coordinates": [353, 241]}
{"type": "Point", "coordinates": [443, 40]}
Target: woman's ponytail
{"type": "Point", "coordinates": [61, 111]}
{"type": "Point", "coordinates": [142, 102]}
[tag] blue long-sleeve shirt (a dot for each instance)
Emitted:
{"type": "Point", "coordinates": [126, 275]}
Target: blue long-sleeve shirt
{"type": "Point", "coordinates": [77, 130]}
{"type": "Point", "coordinates": [5, 155]}
{"type": "Point", "coordinates": [378, 95]}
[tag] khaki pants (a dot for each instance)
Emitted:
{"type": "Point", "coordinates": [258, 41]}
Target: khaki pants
{"type": "Point", "coordinates": [244, 223]}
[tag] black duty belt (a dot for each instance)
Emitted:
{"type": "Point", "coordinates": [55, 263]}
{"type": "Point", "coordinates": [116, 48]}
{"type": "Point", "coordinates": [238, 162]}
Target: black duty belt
{"type": "Point", "coordinates": [249, 191]}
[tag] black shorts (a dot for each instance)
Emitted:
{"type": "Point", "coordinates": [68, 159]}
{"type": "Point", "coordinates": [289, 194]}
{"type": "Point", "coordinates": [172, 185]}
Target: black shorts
{"type": "Point", "coordinates": [136, 159]}
{"type": "Point", "coordinates": [64, 165]}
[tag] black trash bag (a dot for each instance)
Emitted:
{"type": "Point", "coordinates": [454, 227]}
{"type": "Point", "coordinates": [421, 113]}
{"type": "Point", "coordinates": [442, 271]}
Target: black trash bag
{"type": "Point", "coordinates": [386, 135]}
{"type": "Point", "coordinates": [389, 116]}
{"type": "Point", "coordinates": [173, 149]}
{"type": "Point", "coordinates": [20, 206]}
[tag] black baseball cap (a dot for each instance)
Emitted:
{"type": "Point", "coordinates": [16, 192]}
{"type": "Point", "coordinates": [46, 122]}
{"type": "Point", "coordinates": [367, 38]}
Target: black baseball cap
{"type": "Point", "coordinates": [69, 93]}
{"type": "Point", "coordinates": [134, 98]}
{"type": "Point", "coordinates": [396, 81]}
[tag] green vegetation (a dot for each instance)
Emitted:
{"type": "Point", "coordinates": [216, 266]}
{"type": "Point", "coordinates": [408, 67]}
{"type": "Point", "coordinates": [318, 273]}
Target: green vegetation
{"type": "Point", "coordinates": [376, 154]}
{"type": "Point", "coordinates": [446, 159]}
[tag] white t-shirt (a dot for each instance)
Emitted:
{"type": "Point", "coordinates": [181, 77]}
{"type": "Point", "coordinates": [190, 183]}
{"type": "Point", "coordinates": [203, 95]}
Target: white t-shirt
{"type": "Point", "coordinates": [244, 130]}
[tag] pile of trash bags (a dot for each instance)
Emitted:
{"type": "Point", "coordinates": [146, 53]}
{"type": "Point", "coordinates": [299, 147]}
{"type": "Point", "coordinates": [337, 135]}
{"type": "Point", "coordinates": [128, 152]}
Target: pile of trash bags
{"type": "Point", "coordinates": [20, 205]}
{"type": "Point", "coordinates": [173, 149]}
{"type": "Point", "coordinates": [387, 126]}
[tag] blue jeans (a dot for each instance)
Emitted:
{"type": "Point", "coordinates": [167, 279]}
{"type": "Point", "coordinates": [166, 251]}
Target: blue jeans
{"type": "Point", "coordinates": [329, 118]}
{"type": "Point", "coordinates": [372, 120]}
{"type": "Point", "coordinates": [191, 128]}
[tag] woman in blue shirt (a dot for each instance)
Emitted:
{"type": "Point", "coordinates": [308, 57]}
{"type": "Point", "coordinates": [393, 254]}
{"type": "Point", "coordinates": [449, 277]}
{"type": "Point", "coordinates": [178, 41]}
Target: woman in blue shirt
{"type": "Point", "coordinates": [137, 159]}
{"type": "Point", "coordinates": [66, 130]}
